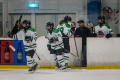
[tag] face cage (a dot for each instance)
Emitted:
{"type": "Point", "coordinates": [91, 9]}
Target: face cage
{"type": "Point", "coordinates": [49, 29]}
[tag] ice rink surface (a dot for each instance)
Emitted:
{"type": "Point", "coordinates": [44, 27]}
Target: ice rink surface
{"type": "Point", "coordinates": [73, 74]}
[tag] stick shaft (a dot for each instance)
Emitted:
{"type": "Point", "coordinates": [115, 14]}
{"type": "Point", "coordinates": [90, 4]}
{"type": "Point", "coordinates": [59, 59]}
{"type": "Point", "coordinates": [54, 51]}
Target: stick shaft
{"type": "Point", "coordinates": [35, 51]}
{"type": "Point", "coordinates": [9, 46]}
{"type": "Point", "coordinates": [70, 52]}
{"type": "Point", "coordinates": [76, 46]}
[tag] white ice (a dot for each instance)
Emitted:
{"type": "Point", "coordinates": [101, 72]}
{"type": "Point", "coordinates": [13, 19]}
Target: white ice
{"type": "Point", "coordinates": [59, 75]}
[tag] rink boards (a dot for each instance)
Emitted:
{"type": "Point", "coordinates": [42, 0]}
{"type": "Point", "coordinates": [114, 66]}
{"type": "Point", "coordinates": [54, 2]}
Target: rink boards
{"type": "Point", "coordinates": [46, 61]}
{"type": "Point", "coordinates": [44, 54]}
{"type": "Point", "coordinates": [102, 53]}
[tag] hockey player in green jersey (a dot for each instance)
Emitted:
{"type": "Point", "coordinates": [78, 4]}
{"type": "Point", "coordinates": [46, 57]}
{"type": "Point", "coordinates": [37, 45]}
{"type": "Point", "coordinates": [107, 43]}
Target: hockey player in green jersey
{"type": "Point", "coordinates": [55, 45]}
{"type": "Point", "coordinates": [65, 30]}
{"type": "Point", "coordinates": [102, 29]}
{"type": "Point", "coordinates": [29, 36]}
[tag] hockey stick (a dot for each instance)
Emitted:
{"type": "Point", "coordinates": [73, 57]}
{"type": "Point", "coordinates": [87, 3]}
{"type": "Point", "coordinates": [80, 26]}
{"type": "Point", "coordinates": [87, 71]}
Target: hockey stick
{"type": "Point", "coordinates": [9, 46]}
{"type": "Point", "coordinates": [69, 52]}
{"type": "Point", "coordinates": [20, 19]}
{"type": "Point", "coordinates": [35, 51]}
{"type": "Point", "coordinates": [66, 50]}
{"type": "Point", "coordinates": [75, 44]}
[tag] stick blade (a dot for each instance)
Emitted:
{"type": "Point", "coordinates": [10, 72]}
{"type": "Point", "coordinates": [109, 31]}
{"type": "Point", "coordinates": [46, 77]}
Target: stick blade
{"type": "Point", "coordinates": [12, 48]}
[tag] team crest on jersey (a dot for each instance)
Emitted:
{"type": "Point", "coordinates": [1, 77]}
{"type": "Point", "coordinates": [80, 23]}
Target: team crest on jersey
{"type": "Point", "coordinates": [101, 34]}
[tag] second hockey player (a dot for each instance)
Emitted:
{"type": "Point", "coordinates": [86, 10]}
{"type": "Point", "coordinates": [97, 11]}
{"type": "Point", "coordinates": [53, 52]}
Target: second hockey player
{"type": "Point", "coordinates": [55, 45]}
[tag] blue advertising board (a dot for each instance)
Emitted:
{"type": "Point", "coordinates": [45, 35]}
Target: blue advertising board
{"type": "Point", "coordinates": [19, 53]}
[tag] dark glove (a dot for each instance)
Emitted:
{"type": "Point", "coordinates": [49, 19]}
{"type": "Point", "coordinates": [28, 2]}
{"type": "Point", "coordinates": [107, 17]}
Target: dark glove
{"type": "Point", "coordinates": [49, 47]}
{"type": "Point", "coordinates": [64, 35]}
{"type": "Point", "coordinates": [118, 35]}
{"type": "Point", "coordinates": [108, 36]}
{"type": "Point", "coordinates": [10, 34]}
{"type": "Point", "coordinates": [53, 40]}
{"type": "Point", "coordinates": [94, 35]}
{"type": "Point", "coordinates": [28, 38]}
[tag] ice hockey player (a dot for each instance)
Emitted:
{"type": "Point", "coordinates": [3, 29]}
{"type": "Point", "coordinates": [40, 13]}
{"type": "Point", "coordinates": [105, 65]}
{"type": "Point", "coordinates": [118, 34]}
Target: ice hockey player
{"type": "Point", "coordinates": [29, 36]}
{"type": "Point", "coordinates": [65, 30]}
{"type": "Point", "coordinates": [102, 29]}
{"type": "Point", "coordinates": [55, 45]}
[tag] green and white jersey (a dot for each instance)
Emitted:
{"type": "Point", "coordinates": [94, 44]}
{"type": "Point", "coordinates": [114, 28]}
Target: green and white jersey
{"type": "Point", "coordinates": [65, 29]}
{"type": "Point", "coordinates": [56, 34]}
{"type": "Point", "coordinates": [102, 31]}
{"type": "Point", "coordinates": [21, 36]}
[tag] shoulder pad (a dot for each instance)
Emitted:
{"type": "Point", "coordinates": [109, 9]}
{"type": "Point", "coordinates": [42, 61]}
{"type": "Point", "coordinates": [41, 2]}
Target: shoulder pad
{"type": "Point", "coordinates": [107, 26]}
{"type": "Point", "coordinates": [67, 25]}
{"type": "Point", "coordinates": [32, 29]}
{"type": "Point", "coordinates": [56, 30]}
{"type": "Point", "coordinates": [47, 32]}
{"type": "Point", "coordinates": [96, 25]}
{"type": "Point", "coordinates": [20, 30]}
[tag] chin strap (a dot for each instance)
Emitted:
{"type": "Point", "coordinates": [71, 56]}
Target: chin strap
{"type": "Point", "coordinates": [26, 28]}
{"type": "Point", "coordinates": [50, 30]}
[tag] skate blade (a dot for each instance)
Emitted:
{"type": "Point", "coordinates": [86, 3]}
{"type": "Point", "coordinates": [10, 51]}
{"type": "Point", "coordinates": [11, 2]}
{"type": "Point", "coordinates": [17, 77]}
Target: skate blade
{"type": "Point", "coordinates": [58, 68]}
{"type": "Point", "coordinates": [65, 70]}
{"type": "Point", "coordinates": [31, 72]}
{"type": "Point", "coordinates": [69, 68]}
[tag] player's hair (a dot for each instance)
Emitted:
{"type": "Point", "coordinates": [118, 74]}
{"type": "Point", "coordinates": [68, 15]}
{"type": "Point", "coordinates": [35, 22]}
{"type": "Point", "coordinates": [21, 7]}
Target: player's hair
{"type": "Point", "coordinates": [16, 26]}
{"type": "Point", "coordinates": [73, 23]}
{"type": "Point", "coordinates": [91, 24]}
{"type": "Point", "coordinates": [61, 22]}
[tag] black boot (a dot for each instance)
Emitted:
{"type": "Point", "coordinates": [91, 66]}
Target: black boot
{"type": "Point", "coordinates": [36, 66]}
{"type": "Point", "coordinates": [31, 70]}
{"type": "Point", "coordinates": [68, 67]}
{"type": "Point", "coordinates": [58, 66]}
{"type": "Point", "coordinates": [83, 64]}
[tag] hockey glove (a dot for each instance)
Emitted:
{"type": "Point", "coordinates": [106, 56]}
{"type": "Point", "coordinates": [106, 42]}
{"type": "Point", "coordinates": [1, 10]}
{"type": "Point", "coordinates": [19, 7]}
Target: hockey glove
{"type": "Point", "coordinates": [10, 34]}
{"type": "Point", "coordinates": [108, 36]}
{"type": "Point", "coordinates": [53, 40]}
{"type": "Point", "coordinates": [28, 38]}
{"type": "Point", "coordinates": [94, 35]}
{"type": "Point", "coordinates": [49, 47]}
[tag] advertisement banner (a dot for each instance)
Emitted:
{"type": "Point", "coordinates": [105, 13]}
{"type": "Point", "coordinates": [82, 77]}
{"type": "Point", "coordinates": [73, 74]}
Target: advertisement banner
{"type": "Point", "coordinates": [6, 53]}
{"type": "Point", "coordinates": [19, 53]}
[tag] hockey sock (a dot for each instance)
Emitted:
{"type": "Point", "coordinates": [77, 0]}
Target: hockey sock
{"type": "Point", "coordinates": [56, 60]}
{"type": "Point", "coordinates": [66, 57]}
{"type": "Point", "coordinates": [30, 61]}
{"type": "Point", "coordinates": [61, 60]}
{"type": "Point", "coordinates": [53, 57]}
{"type": "Point", "coordinates": [34, 63]}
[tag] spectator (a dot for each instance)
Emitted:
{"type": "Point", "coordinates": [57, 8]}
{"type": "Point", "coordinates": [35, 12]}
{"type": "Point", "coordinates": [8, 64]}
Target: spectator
{"type": "Point", "coordinates": [90, 27]}
{"type": "Point", "coordinates": [83, 32]}
{"type": "Point", "coordinates": [73, 29]}
{"type": "Point", "coordinates": [16, 28]}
